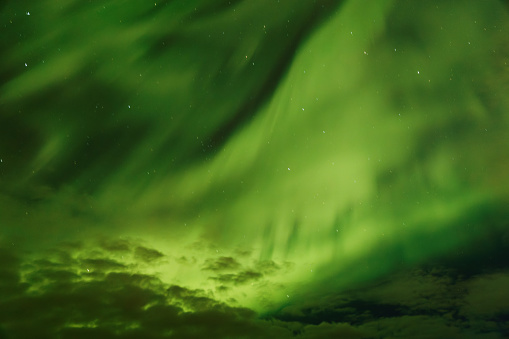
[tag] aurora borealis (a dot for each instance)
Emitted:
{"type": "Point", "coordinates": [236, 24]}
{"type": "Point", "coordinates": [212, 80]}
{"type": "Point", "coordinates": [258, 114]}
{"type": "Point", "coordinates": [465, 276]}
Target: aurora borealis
{"type": "Point", "coordinates": [254, 169]}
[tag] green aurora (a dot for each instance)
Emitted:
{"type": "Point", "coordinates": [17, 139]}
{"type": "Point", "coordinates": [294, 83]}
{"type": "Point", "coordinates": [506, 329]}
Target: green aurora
{"type": "Point", "coordinates": [254, 169]}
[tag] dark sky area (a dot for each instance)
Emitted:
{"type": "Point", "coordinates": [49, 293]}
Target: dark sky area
{"type": "Point", "coordinates": [254, 169]}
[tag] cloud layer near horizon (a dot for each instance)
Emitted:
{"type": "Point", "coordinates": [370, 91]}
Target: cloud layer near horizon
{"type": "Point", "coordinates": [79, 291]}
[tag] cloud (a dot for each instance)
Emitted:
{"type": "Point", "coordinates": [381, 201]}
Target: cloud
{"type": "Point", "coordinates": [54, 297]}
{"type": "Point", "coordinates": [196, 299]}
{"type": "Point", "coordinates": [115, 245]}
{"type": "Point", "coordinates": [238, 278]}
{"type": "Point", "coordinates": [56, 276]}
{"type": "Point", "coordinates": [335, 330]}
{"type": "Point", "coordinates": [413, 303]}
{"type": "Point", "coordinates": [117, 304]}
{"type": "Point", "coordinates": [221, 264]}
{"type": "Point", "coordinates": [242, 274]}
{"type": "Point", "coordinates": [415, 327]}
{"type": "Point", "coordinates": [183, 260]}
{"type": "Point", "coordinates": [488, 296]}
{"type": "Point", "coordinates": [269, 266]}
{"type": "Point", "coordinates": [10, 284]}
{"type": "Point", "coordinates": [147, 254]}
{"type": "Point", "coordinates": [418, 290]}
{"type": "Point", "coordinates": [102, 264]}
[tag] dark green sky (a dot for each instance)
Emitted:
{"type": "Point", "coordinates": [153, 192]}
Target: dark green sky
{"type": "Point", "coordinates": [254, 169]}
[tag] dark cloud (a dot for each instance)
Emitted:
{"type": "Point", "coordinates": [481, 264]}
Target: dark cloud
{"type": "Point", "coordinates": [487, 296]}
{"type": "Point", "coordinates": [241, 274]}
{"type": "Point", "coordinates": [221, 264]}
{"type": "Point", "coordinates": [147, 254]}
{"type": "Point", "coordinates": [222, 288]}
{"type": "Point", "coordinates": [195, 300]}
{"type": "Point", "coordinates": [243, 252]}
{"type": "Point", "coordinates": [59, 257]}
{"type": "Point", "coordinates": [414, 303]}
{"type": "Point", "coordinates": [57, 299]}
{"type": "Point", "coordinates": [10, 284]}
{"type": "Point", "coordinates": [335, 330]}
{"type": "Point", "coordinates": [115, 305]}
{"type": "Point", "coordinates": [52, 275]}
{"type": "Point", "coordinates": [115, 245]}
{"type": "Point", "coordinates": [238, 278]}
{"type": "Point", "coordinates": [417, 327]}
{"type": "Point", "coordinates": [183, 260]}
{"type": "Point", "coordinates": [102, 264]}
{"type": "Point", "coordinates": [268, 266]}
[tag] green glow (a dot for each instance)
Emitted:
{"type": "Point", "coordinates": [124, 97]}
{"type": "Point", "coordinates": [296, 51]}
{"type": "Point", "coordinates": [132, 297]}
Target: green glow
{"type": "Point", "coordinates": [381, 144]}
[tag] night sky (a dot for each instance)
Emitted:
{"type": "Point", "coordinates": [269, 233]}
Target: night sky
{"type": "Point", "coordinates": [254, 169]}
